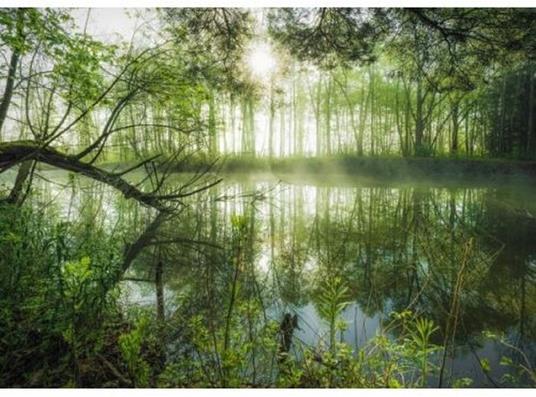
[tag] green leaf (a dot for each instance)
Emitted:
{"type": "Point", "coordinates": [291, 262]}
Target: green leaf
{"type": "Point", "coordinates": [484, 363]}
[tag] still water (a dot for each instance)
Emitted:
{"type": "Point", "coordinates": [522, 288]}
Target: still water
{"type": "Point", "coordinates": [395, 246]}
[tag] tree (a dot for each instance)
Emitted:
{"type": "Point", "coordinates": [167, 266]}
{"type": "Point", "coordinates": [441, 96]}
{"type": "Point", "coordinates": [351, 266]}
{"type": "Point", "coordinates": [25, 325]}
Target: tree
{"type": "Point", "coordinates": [78, 79]}
{"type": "Point", "coordinates": [440, 55]}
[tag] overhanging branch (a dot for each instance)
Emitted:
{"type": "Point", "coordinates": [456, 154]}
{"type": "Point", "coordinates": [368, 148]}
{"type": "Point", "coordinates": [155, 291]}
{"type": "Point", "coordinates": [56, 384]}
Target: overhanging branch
{"type": "Point", "coordinates": [12, 153]}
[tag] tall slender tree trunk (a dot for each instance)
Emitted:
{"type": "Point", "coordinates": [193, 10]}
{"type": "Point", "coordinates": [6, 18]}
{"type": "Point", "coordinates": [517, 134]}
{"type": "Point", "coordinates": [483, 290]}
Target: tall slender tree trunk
{"type": "Point", "coordinates": [372, 112]}
{"type": "Point", "coordinates": [530, 124]}
{"type": "Point", "coordinates": [8, 90]}
{"type": "Point", "coordinates": [13, 65]}
{"type": "Point", "coordinates": [468, 135]}
{"type": "Point", "coordinates": [397, 120]}
{"type": "Point", "coordinates": [251, 121]}
{"type": "Point", "coordinates": [271, 122]}
{"type": "Point", "coordinates": [317, 111]}
{"type": "Point", "coordinates": [455, 126]}
{"type": "Point", "coordinates": [363, 110]}
{"type": "Point", "coordinates": [502, 131]}
{"type": "Point", "coordinates": [329, 85]}
{"type": "Point", "coordinates": [212, 124]}
{"type": "Point", "coordinates": [419, 119]}
{"type": "Point", "coordinates": [282, 131]}
{"type": "Point", "coordinates": [245, 125]}
{"type": "Point", "coordinates": [234, 139]}
{"type": "Point", "coordinates": [223, 128]}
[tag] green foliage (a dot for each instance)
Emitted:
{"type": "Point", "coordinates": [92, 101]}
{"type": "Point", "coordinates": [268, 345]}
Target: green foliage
{"type": "Point", "coordinates": [326, 36]}
{"type": "Point", "coordinates": [383, 362]}
{"type": "Point", "coordinates": [332, 300]}
{"type": "Point", "coordinates": [420, 341]}
{"type": "Point", "coordinates": [519, 369]}
{"type": "Point", "coordinates": [130, 345]}
{"type": "Point", "coordinates": [462, 382]}
{"type": "Point", "coordinates": [24, 28]}
{"type": "Point", "coordinates": [79, 68]}
{"type": "Point", "coordinates": [58, 301]}
{"type": "Point", "coordinates": [211, 365]}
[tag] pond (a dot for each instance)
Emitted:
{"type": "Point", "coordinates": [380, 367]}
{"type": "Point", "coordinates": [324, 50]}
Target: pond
{"type": "Point", "coordinates": [461, 255]}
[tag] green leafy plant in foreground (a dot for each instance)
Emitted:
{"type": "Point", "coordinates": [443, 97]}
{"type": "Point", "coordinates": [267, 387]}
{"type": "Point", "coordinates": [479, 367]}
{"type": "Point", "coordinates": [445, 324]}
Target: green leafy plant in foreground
{"type": "Point", "coordinates": [130, 345]}
{"type": "Point", "coordinates": [333, 299]}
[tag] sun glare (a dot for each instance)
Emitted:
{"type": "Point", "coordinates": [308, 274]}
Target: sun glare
{"type": "Point", "coordinates": [261, 60]}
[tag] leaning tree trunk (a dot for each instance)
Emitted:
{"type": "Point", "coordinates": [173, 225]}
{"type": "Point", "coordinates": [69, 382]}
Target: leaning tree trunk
{"type": "Point", "coordinates": [22, 181]}
{"type": "Point", "coordinates": [12, 153]}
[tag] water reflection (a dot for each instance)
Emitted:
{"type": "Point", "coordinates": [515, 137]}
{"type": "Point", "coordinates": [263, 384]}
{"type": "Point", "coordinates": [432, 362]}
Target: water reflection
{"type": "Point", "coordinates": [464, 257]}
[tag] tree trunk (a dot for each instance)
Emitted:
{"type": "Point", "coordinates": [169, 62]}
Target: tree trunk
{"type": "Point", "coordinates": [8, 90]}
{"type": "Point", "coordinates": [16, 195]}
{"type": "Point", "coordinates": [10, 79]}
{"type": "Point", "coordinates": [212, 124]}
{"type": "Point", "coordinates": [328, 116]}
{"type": "Point", "coordinates": [160, 313]}
{"type": "Point", "coordinates": [372, 111]}
{"type": "Point", "coordinates": [455, 126]}
{"type": "Point", "coordinates": [251, 127]}
{"type": "Point", "coordinates": [419, 122]}
{"type": "Point", "coordinates": [271, 122]}
{"type": "Point", "coordinates": [12, 153]}
{"type": "Point", "coordinates": [530, 124]}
